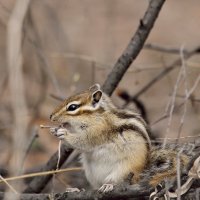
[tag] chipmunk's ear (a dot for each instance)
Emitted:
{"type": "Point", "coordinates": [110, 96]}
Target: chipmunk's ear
{"type": "Point", "coordinates": [96, 93]}
{"type": "Point", "coordinates": [96, 96]}
{"type": "Point", "coordinates": [95, 88]}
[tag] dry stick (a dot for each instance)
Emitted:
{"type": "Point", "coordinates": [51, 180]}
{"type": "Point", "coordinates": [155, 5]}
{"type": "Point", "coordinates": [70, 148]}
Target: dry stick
{"type": "Point", "coordinates": [191, 98]}
{"type": "Point", "coordinates": [10, 186]}
{"type": "Point", "coordinates": [172, 104]}
{"type": "Point", "coordinates": [186, 93]}
{"type": "Point", "coordinates": [32, 139]}
{"type": "Point", "coordinates": [181, 104]}
{"type": "Point", "coordinates": [185, 137]}
{"type": "Point", "coordinates": [62, 181]}
{"type": "Point", "coordinates": [40, 174]}
{"type": "Point", "coordinates": [131, 52]}
{"type": "Point", "coordinates": [134, 47]}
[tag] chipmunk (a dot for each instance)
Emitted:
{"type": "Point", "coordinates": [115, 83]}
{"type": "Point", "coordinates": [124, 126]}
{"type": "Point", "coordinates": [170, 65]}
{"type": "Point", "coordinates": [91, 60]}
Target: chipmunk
{"type": "Point", "coordinates": [113, 142]}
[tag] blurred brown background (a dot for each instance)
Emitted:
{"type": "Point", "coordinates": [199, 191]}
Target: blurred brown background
{"type": "Point", "coordinates": [70, 44]}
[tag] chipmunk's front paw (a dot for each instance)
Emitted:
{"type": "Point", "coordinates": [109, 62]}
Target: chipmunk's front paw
{"type": "Point", "coordinates": [53, 130]}
{"type": "Point", "coordinates": [106, 188]}
{"type": "Point", "coordinates": [59, 132]}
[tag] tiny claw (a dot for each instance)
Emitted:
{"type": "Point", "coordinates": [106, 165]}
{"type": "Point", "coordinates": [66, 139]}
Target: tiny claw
{"type": "Point", "coordinates": [72, 190]}
{"type": "Point", "coordinates": [152, 196]}
{"type": "Point", "coordinates": [106, 188]}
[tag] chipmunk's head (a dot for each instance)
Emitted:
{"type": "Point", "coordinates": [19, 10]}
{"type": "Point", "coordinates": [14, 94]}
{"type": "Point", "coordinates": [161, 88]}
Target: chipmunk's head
{"type": "Point", "coordinates": [83, 106]}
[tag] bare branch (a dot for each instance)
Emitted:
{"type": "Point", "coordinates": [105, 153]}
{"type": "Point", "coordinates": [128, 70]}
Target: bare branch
{"type": "Point", "coordinates": [166, 115]}
{"type": "Point", "coordinates": [171, 106]}
{"type": "Point", "coordinates": [168, 69]}
{"type": "Point", "coordinates": [30, 143]}
{"type": "Point", "coordinates": [134, 47]}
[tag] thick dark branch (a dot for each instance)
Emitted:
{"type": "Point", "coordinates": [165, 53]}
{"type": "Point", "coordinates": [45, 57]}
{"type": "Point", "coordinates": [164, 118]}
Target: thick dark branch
{"type": "Point", "coordinates": [29, 196]}
{"type": "Point", "coordinates": [38, 183]}
{"type": "Point", "coordinates": [134, 46]}
{"type": "Point", "coordinates": [119, 192]}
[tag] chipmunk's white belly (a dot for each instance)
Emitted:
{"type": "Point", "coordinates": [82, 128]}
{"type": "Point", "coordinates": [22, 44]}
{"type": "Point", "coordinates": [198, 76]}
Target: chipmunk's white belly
{"type": "Point", "coordinates": [102, 165]}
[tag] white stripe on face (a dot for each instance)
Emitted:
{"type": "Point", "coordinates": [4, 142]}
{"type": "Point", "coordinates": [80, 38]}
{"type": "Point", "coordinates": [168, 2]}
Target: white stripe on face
{"type": "Point", "coordinates": [90, 108]}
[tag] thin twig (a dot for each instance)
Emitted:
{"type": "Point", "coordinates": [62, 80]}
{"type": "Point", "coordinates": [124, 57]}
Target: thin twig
{"type": "Point", "coordinates": [163, 73]}
{"type": "Point", "coordinates": [191, 98]}
{"type": "Point", "coordinates": [172, 104]}
{"type": "Point", "coordinates": [62, 181]}
{"type": "Point", "coordinates": [181, 104]}
{"type": "Point", "coordinates": [59, 154]}
{"type": "Point", "coordinates": [32, 139]}
{"type": "Point", "coordinates": [185, 137]}
{"type": "Point", "coordinates": [186, 93]}
{"type": "Point", "coordinates": [10, 186]}
{"type": "Point", "coordinates": [41, 174]}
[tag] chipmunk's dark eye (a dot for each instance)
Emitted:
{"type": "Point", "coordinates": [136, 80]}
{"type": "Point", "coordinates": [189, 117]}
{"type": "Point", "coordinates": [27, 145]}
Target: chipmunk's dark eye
{"type": "Point", "coordinates": [73, 107]}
